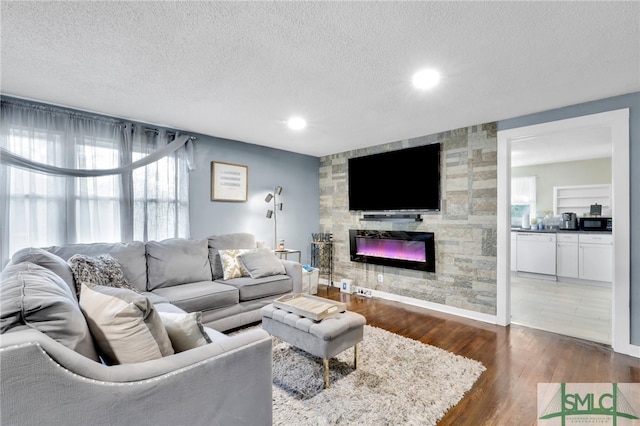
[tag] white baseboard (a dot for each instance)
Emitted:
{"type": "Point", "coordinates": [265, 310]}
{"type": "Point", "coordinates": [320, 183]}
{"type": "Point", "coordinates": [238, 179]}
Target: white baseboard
{"type": "Point", "coordinates": [465, 313]}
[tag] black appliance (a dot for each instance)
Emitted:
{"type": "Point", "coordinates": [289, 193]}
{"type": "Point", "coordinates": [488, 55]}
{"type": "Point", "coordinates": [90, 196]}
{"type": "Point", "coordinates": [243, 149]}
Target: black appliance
{"type": "Point", "coordinates": [569, 221]}
{"type": "Point", "coordinates": [405, 179]}
{"type": "Point", "coordinates": [596, 224]}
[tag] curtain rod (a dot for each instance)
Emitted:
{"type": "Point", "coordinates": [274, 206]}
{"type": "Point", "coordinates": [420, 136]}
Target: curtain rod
{"type": "Point", "coordinates": [59, 110]}
{"type": "Point", "coordinates": [171, 132]}
{"type": "Point", "coordinates": [77, 113]}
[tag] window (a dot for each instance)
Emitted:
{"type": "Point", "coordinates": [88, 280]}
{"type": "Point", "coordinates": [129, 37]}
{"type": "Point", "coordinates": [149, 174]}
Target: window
{"type": "Point", "coordinates": [523, 200]}
{"type": "Point", "coordinates": [161, 203]}
{"type": "Point", "coordinates": [36, 201]}
{"type": "Point", "coordinates": [57, 207]}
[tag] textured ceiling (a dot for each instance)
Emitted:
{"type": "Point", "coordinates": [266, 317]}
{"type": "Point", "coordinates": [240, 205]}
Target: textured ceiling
{"type": "Point", "coordinates": [238, 70]}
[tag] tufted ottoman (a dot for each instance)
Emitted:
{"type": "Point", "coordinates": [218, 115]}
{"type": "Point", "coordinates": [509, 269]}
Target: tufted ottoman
{"type": "Point", "coordinates": [324, 339]}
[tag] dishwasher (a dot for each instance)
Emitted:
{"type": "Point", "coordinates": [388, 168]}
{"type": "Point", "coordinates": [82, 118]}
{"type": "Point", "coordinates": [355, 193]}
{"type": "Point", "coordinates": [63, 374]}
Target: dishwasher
{"type": "Point", "coordinates": [536, 253]}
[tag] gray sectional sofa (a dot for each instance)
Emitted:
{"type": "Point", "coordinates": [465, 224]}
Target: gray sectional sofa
{"type": "Point", "coordinates": [189, 275]}
{"type": "Point", "coordinates": [48, 380]}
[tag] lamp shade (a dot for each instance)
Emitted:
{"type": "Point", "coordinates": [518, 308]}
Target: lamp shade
{"type": "Point", "coordinates": [268, 198]}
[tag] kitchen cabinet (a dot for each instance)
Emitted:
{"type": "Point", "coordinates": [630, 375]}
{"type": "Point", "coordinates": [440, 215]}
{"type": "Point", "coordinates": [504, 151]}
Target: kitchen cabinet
{"type": "Point", "coordinates": [536, 253]}
{"type": "Point", "coordinates": [514, 251]}
{"type": "Point", "coordinates": [581, 256]}
{"type": "Point", "coordinates": [567, 255]}
{"type": "Point", "coordinates": [595, 257]}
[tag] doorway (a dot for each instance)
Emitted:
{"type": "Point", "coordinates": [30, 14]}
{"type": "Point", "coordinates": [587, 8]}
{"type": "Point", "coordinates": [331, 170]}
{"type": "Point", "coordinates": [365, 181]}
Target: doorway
{"type": "Point", "coordinates": [550, 175]}
{"type": "Point", "coordinates": [618, 124]}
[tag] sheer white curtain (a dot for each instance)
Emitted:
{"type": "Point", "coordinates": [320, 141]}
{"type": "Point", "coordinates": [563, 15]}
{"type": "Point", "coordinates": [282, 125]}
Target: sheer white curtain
{"type": "Point", "coordinates": [160, 190]}
{"type": "Point", "coordinates": [42, 209]}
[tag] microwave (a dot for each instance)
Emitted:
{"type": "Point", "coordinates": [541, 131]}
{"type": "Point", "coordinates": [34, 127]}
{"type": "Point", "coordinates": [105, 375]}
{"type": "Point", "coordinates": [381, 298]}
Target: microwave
{"type": "Point", "coordinates": [596, 224]}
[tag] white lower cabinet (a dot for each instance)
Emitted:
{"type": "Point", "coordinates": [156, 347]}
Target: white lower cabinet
{"type": "Point", "coordinates": [582, 256]}
{"type": "Point", "coordinates": [595, 257]}
{"type": "Point", "coordinates": [514, 251]}
{"type": "Point", "coordinates": [567, 255]}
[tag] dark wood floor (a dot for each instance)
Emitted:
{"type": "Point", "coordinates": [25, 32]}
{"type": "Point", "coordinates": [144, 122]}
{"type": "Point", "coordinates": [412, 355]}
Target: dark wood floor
{"type": "Point", "coordinates": [517, 358]}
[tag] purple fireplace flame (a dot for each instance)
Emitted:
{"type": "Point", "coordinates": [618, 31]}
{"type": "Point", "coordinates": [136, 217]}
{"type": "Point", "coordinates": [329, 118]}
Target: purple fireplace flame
{"type": "Point", "coordinates": [393, 249]}
{"type": "Point", "coordinates": [401, 249]}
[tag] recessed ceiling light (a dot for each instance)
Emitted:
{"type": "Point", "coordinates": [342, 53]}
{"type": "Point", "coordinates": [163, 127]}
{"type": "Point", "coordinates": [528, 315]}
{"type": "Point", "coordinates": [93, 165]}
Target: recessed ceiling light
{"type": "Point", "coordinates": [296, 123]}
{"type": "Point", "coordinates": [426, 79]}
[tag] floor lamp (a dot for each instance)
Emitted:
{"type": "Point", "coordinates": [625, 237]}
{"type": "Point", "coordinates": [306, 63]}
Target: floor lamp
{"type": "Point", "coordinates": [273, 213]}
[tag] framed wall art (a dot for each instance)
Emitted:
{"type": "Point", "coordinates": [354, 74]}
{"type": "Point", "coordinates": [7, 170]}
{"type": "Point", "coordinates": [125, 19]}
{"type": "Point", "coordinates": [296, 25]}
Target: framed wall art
{"type": "Point", "coordinates": [229, 182]}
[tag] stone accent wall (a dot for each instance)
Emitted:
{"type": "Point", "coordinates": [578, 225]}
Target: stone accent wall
{"type": "Point", "coordinates": [465, 228]}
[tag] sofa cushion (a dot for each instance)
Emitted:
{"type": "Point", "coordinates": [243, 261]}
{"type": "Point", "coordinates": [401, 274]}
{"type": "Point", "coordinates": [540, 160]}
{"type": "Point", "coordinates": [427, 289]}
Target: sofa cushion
{"type": "Point", "coordinates": [130, 256]}
{"type": "Point", "coordinates": [124, 324]}
{"type": "Point", "coordinates": [185, 330]}
{"type": "Point", "coordinates": [256, 288]}
{"type": "Point", "coordinates": [200, 296]}
{"type": "Point", "coordinates": [52, 262]}
{"type": "Point", "coordinates": [156, 299]}
{"type": "Point", "coordinates": [177, 261]}
{"type": "Point", "coordinates": [241, 240]}
{"type": "Point", "coordinates": [231, 266]}
{"type": "Point", "coordinates": [34, 296]}
{"type": "Point", "coordinates": [100, 270]}
{"type": "Point", "coordinates": [261, 263]}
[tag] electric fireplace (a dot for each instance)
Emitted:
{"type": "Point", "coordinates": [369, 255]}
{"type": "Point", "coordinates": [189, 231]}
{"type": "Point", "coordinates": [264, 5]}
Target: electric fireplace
{"type": "Point", "coordinates": [401, 249]}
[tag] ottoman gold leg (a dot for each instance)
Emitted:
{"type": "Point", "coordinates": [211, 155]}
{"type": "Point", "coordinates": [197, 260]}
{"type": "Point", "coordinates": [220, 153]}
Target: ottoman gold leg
{"type": "Point", "coordinates": [326, 373]}
{"type": "Point", "coordinates": [356, 355]}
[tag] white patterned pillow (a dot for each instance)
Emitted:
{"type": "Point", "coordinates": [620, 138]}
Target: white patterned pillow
{"type": "Point", "coordinates": [231, 267]}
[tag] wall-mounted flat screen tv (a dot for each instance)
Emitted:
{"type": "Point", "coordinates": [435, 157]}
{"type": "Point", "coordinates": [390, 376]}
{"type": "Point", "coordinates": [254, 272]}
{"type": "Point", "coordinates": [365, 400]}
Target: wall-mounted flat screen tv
{"type": "Point", "coordinates": [406, 179]}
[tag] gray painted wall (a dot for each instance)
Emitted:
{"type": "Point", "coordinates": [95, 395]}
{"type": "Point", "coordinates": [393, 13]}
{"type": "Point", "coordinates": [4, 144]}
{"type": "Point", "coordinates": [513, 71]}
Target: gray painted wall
{"type": "Point", "coordinates": [296, 173]}
{"type": "Point", "coordinates": [631, 101]}
{"type": "Point", "coordinates": [584, 172]}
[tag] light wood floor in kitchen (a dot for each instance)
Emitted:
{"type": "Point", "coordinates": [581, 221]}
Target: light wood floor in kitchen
{"type": "Point", "coordinates": [576, 310]}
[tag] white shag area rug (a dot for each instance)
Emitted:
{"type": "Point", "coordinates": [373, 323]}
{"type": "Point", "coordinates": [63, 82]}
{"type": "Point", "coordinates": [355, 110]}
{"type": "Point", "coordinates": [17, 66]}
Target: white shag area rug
{"type": "Point", "coordinates": [399, 381]}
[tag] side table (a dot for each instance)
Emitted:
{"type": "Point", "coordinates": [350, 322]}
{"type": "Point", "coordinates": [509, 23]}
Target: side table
{"type": "Point", "coordinates": [287, 252]}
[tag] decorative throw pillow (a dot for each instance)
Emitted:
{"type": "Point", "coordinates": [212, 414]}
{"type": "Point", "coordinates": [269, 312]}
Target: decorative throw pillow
{"type": "Point", "coordinates": [36, 297]}
{"type": "Point", "coordinates": [261, 263]}
{"type": "Point", "coordinates": [131, 257]}
{"type": "Point", "coordinates": [185, 330]}
{"type": "Point", "coordinates": [124, 324]}
{"type": "Point", "coordinates": [231, 268]}
{"type": "Point", "coordinates": [98, 270]}
{"type": "Point", "coordinates": [240, 240]}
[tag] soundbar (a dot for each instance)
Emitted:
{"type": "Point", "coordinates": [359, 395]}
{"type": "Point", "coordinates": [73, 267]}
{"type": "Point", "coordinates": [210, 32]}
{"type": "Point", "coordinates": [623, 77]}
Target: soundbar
{"type": "Point", "coordinates": [392, 217]}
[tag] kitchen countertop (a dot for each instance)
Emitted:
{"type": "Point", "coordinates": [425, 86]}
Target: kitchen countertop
{"type": "Point", "coordinates": [558, 231]}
